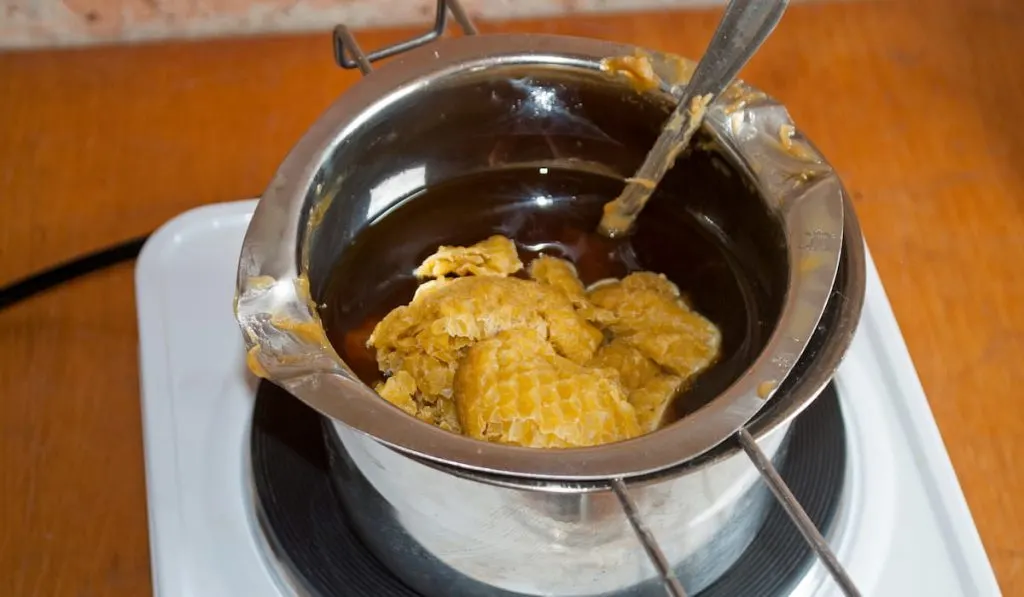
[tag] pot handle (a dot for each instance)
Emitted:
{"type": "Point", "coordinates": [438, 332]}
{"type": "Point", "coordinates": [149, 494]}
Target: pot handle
{"type": "Point", "coordinates": [796, 513]}
{"type": "Point", "coordinates": [673, 587]}
{"type": "Point", "coordinates": [348, 54]}
{"type": "Point", "coordinates": [779, 489]}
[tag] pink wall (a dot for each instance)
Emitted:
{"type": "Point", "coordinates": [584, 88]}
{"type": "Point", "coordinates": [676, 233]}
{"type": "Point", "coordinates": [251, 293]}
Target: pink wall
{"type": "Point", "coordinates": [40, 23]}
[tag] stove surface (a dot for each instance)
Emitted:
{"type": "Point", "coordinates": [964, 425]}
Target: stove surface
{"type": "Point", "coordinates": [902, 528]}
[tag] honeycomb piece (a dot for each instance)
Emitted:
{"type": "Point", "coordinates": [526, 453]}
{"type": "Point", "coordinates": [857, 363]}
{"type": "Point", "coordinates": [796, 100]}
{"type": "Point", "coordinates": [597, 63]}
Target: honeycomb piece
{"type": "Point", "coordinates": [656, 283]}
{"type": "Point", "coordinates": [428, 338]}
{"type": "Point", "coordinates": [649, 281]}
{"type": "Point", "coordinates": [433, 376]}
{"type": "Point", "coordinates": [653, 399]}
{"type": "Point", "coordinates": [540, 362]}
{"type": "Point", "coordinates": [443, 414]}
{"type": "Point", "coordinates": [561, 275]}
{"type": "Point", "coordinates": [648, 389]}
{"type": "Point", "coordinates": [428, 287]}
{"type": "Point", "coordinates": [633, 367]}
{"type": "Point", "coordinates": [514, 388]}
{"type": "Point", "coordinates": [400, 390]}
{"type": "Point", "coordinates": [495, 256]}
{"type": "Point", "coordinates": [648, 313]}
{"type": "Point", "coordinates": [443, 321]}
{"type": "Point", "coordinates": [571, 334]}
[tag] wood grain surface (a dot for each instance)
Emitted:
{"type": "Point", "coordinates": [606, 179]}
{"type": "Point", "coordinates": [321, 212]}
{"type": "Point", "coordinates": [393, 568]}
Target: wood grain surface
{"type": "Point", "coordinates": [917, 108]}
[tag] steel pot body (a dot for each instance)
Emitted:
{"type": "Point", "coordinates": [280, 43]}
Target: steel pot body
{"type": "Point", "coordinates": [444, 534]}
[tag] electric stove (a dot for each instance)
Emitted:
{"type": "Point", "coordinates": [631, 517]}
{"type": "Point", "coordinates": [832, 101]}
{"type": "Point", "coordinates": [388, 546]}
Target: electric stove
{"type": "Point", "coordinates": [242, 503]}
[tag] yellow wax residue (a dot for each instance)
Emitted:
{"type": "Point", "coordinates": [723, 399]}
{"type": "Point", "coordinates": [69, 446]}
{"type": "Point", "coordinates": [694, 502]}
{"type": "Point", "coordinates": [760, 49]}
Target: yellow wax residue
{"type": "Point", "coordinates": [644, 182]}
{"type": "Point", "coordinates": [765, 388]}
{"type": "Point", "coordinates": [739, 96]}
{"type": "Point", "coordinates": [637, 69]}
{"type": "Point", "coordinates": [682, 69]}
{"type": "Point", "coordinates": [735, 123]}
{"type": "Point", "coordinates": [794, 148]}
{"type": "Point", "coordinates": [615, 220]}
{"type": "Point", "coordinates": [786, 132]}
{"type": "Point", "coordinates": [803, 177]}
{"type": "Point", "coordinates": [302, 288]}
{"type": "Point", "coordinates": [302, 291]}
{"type": "Point", "coordinates": [698, 108]}
{"type": "Point", "coordinates": [313, 221]}
{"type": "Point", "coordinates": [810, 263]}
{"type": "Point", "coordinates": [539, 362]}
{"type": "Point", "coordinates": [675, 122]}
{"type": "Point", "coordinates": [317, 213]}
{"type": "Point", "coordinates": [495, 256]}
{"type": "Point", "coordinates": [252, 359]}
{"type": "Point", "coordinates": [619, 215]}
{"type": "Point", "coordinates": [260, 282]}
{"type": "Point", "coordinates": [309, 332]}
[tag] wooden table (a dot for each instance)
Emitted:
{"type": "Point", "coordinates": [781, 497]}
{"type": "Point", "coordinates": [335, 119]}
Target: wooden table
{"type": "Point", "coordinates": [921, 118]}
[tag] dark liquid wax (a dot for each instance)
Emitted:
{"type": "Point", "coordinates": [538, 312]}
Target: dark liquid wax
{"type": "Point", "coordinates": [546, 211]}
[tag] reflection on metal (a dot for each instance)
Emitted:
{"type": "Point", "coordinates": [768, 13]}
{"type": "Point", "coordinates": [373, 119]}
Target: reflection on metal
{"type": "Point", "coordinates": [398, 185]}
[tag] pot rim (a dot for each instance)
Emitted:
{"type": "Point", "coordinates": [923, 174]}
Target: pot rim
{"type": "Point", "coordinates": [287, 344]}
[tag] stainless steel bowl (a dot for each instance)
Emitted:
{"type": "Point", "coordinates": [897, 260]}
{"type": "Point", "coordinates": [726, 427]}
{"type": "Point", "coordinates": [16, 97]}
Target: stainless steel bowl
{"type": "Point", "coordinates": [474, 104]}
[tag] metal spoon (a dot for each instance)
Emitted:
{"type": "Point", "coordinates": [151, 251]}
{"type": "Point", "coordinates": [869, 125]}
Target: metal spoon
{"type": "Point", "coordinates": [743, 28]}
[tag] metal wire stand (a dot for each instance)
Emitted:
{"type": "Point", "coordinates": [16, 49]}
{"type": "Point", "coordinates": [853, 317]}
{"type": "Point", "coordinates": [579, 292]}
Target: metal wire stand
{"type": "Point", "coordinates": [349, 55]}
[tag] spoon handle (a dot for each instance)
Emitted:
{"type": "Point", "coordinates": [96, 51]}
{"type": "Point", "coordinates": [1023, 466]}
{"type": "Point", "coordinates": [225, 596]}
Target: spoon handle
{"type": "Point", "coordinates": [743, 28]}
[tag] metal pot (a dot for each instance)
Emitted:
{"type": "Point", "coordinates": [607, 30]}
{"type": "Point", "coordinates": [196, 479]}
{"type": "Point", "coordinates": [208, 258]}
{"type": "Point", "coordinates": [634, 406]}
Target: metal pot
{"type": "Point", "coordinates": [474, 104]}
{"type": "Point", "coordinates": [520, 521]}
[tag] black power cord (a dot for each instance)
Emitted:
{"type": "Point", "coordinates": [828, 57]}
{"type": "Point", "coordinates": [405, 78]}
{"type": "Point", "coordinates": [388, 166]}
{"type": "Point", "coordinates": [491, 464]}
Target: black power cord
{"type": "Point", "coordinates": [55, 276]}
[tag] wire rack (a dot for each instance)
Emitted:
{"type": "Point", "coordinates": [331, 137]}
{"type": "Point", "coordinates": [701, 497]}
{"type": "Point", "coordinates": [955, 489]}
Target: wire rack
{"type": "Point", "coordinates": [349, 55]}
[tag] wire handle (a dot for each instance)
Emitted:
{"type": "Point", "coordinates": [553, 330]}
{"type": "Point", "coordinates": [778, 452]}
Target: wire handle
{"type": "Point", "coordinates": [796, 513]}
{"type": "Point", "coordinates": [779, 489]}
{"type": "Point", "coordinates": [673, 588]}
{"type": "Point", "coordinates": [349, 55]}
